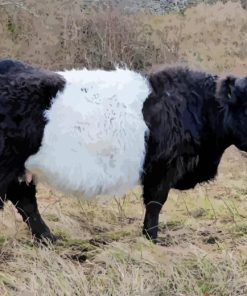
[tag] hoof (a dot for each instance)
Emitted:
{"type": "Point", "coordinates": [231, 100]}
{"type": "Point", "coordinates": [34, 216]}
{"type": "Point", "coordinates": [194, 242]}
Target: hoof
{"type": "Point", "coordinates": [150, 236]}
{"type": "Point", "coordinates": [45, 238]}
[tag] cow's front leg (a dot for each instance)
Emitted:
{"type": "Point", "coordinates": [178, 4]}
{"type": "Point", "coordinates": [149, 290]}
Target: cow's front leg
{"type": "Point", "coordinates": [154, 200]}
{"type": "Point", "coordinates": [23, 196]}
{"type": "Point", "coordinates": [156, 186]}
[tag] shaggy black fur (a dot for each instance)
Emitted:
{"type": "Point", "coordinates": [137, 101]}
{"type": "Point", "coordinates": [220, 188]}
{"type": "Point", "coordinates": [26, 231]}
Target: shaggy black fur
{"type": "Point", "coordinates": [25, 93]}
{"type": "Point", "coordinates": [193, 117]}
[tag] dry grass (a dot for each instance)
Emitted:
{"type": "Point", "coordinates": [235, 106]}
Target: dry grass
{"type": "Point", "coordinates": [203, 232]}
{"type": "Point", "coordinates": [207, 37]}
{"type": "Point", "coordinates": [55, 35]}
{"type": "Point", "coordinates": [202, 249]}
{"type": "Point", "coordinates": [66, 37]}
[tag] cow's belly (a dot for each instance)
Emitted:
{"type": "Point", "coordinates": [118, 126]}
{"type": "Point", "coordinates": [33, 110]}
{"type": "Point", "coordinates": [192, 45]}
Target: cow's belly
{"type": "Point", "coordinates": [71, 165]}
{"type": "Point", "coordinates": [91, 148]}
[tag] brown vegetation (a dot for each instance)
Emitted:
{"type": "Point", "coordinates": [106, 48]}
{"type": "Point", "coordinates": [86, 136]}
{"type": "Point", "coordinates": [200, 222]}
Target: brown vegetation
{"type": "Point", "coordinates": [57, 35]}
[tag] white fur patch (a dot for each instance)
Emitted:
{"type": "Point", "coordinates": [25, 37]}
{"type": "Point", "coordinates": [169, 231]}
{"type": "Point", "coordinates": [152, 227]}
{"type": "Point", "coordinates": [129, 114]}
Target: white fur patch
{"type": "Point", "coordinates": [94, 140]}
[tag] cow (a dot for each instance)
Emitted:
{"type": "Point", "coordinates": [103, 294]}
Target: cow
{"type": "Point", "coordinates": [91, 132]}
{"type": "Point", "coordinates": [193, 117]}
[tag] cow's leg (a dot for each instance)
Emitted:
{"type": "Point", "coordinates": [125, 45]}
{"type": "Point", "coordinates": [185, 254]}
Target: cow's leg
{"type": "Point", "coordinates": [154, 199]}
{"type": "Point", "coordinates": [23, 196]}
{"type": "Point", "coordinates": [156, 186]}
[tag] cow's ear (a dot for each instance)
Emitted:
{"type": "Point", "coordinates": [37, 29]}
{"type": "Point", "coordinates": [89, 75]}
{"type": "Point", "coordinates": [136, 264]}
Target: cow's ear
{"type": "Point", "coordinates": [226, 89]}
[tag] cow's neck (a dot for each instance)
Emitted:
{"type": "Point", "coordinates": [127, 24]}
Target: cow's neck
{"type": "Point", "coordinates": [217, 137]}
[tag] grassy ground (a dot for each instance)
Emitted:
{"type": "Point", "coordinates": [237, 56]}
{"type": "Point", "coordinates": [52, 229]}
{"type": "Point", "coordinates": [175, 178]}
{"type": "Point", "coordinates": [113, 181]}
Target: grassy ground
{"type": "Point", "coordinates": [202, 249]}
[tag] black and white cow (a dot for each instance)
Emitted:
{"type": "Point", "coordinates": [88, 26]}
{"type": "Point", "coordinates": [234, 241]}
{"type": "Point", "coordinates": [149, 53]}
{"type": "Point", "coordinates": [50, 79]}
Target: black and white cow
{"type": "Point", "coordinates": [103, 132]}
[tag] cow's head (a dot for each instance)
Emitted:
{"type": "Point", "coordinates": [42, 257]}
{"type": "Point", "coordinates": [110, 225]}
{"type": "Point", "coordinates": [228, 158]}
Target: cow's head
{"type": "Point", "coordinates": [232, 92]}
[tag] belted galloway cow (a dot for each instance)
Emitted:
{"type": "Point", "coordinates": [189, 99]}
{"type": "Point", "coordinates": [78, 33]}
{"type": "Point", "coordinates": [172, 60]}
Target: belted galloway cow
{"type": "Point", "coordinates": [91, 132]}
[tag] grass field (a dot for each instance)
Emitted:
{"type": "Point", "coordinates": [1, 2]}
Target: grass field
{"type": "Point", "coordinates": [202, 249]}
{"type": "Point", "coordinates": [203, 232]}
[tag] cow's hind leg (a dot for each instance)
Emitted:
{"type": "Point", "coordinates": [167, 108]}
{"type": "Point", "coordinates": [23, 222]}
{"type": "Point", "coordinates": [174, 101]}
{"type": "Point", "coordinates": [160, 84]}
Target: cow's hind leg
{"type": "Point", "coordinates": [23, 196]}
